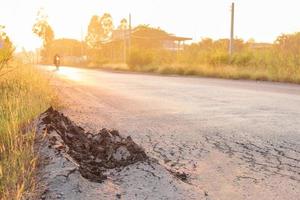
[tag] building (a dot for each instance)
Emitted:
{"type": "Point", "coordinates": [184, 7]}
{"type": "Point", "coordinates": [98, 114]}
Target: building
{"type": "Point", "coordinates": [142, 37]}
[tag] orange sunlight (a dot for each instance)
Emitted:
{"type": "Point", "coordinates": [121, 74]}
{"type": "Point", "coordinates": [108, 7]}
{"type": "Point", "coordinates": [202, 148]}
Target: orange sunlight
{"type": "Point", "coordinates": [192, 18]}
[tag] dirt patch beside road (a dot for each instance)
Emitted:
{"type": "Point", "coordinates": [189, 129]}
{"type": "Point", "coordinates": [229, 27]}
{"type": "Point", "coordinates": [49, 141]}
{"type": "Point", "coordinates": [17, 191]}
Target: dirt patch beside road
{"type": "Point", "coordinates": [94, 153]}
{"type": "Point", "coordinates": [83, 165]}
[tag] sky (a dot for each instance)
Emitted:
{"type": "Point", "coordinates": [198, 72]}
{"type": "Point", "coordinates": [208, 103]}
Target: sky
{"type": "Point", "coordinates": [262, 20]}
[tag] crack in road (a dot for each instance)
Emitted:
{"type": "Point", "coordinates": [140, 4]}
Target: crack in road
{"type": "Point", "coordinates": [258, 155]}
{"type": "Point", "coordinates": [270, 158]}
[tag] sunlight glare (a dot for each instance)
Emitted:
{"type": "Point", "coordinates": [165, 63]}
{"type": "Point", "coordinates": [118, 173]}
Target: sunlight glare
{"type": "Point", "coordinates": [69, 73]}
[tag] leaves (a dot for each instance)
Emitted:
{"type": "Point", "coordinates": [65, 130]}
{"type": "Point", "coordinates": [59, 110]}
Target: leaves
{"type": "Point", "coordinates": [123, 24]}
{"type": "Point", "coordinates": [107, 25]}
{"type": "Point", "coordinates": [6, 50]}
{"type": "Point", "coordinates": [42, 28]}
{"type": "Point", "coordinates": [95, 32]}
{"type": "Point", "coordinates": [99, 30]}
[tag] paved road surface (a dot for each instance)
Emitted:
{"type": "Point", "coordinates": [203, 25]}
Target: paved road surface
{"type": "Point", "coordinates": [236, 139]}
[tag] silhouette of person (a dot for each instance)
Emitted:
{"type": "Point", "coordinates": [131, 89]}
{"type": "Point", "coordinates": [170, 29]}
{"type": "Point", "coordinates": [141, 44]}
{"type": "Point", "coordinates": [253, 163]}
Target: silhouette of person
{"type": "Point", "coordinates": [56, 60]}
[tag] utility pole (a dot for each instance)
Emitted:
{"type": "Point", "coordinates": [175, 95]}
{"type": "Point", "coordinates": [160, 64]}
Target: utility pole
{"type": "Point", "coordinates": [231, 46]}
{"type": "Point", "coordinates": [81, 44]}
{"type": "Point", "coordinates": [125, 41]}
{"type": "Point", "coordinates": [129, 36]}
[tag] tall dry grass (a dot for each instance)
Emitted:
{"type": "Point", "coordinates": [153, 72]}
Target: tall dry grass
{"type": "Point", "coordinates": [24, 93]}
{"type": "Point", "coordinates": [279, 61]}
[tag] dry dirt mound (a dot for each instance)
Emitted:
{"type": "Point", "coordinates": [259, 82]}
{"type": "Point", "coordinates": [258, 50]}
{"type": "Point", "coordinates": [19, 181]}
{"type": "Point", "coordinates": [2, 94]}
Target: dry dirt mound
{"type": "Point", "coordinates": [93, 153]}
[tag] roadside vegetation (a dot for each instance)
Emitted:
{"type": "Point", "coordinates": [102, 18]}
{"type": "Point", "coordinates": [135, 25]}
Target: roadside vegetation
{"type": "Point", "coordinates": [147, 49]}
{"type": "Point", "coordinates": [279, 61]}
{"type": "Point", "coordinates": [25, 93]}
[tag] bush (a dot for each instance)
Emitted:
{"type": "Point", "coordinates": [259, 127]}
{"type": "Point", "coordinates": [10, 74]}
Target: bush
{"type": "Point", "coordinates": [277, 62]}
{"type": "Point", "coordinates": [218, 58]}
{"type": "Point", "coordinates": [242, 59]}
{"type": "Point", "coordinates": [6, 50]}
{"type": "Point", "coordinates": [140, 58]}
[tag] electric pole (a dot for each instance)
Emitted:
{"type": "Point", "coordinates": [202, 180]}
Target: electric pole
{"type": "Point", "coordinates": [81, 43]}
{"type": "Point", "coordinates": [125, 43]}
{"type": "Point", "coordinates": [231, 46]}
{"type": "Point", "coordinates": [129, 37]}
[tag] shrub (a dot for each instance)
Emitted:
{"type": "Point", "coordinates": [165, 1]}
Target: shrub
{"type": "Point", "coordinates": [218, 58]}
{"type": "Point", "coordinates": [140, 58]}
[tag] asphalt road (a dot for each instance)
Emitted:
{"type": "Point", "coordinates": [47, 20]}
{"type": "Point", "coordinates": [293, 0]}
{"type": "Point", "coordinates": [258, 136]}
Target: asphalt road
{"type": "Point", "coordinates": [236, 139]}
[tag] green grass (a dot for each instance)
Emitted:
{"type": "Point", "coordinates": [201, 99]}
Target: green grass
{"type": "Point", "coordinates": [25, 93]}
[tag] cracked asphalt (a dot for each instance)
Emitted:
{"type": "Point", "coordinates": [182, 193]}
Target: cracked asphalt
{"type": "Point", "coordinates": [235, 139]}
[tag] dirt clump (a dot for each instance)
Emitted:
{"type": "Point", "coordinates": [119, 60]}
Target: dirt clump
{"type": "Point", "coordinates": [180, 175]}
{"type": "Point", "coordinates": [93, 153]}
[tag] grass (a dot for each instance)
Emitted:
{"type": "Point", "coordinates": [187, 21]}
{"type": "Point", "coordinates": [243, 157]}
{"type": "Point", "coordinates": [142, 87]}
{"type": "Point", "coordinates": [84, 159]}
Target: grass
{"type": "Point", "coordinates": [234, 72]}
{"type": "Point", "coordinates": [278, 74]}
{"type": "Point", "coordinates": [25, 93]}
{"type": "Point", "coordinates": [279, 61]}
{"type": "Point", "coordinates": [276, 62]}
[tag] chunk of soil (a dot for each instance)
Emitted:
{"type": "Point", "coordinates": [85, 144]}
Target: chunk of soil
{"type": "Point", "coordinates": [180, 175]}
{"type": "Point", "coordinates": [94, 153]}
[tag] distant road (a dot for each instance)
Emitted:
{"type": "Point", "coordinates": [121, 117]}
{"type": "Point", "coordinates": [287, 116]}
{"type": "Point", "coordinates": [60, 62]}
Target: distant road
{"type": "Point", "coordinates": [237, 139]}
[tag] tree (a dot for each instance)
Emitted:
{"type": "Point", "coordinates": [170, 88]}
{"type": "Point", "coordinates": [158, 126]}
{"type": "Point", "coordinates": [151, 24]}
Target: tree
{"type": "Point", "coordinates": [42, 28]}
{"type": "Point", "coordinates": [95, 32]}
{"type": "Point", "coordinates": [6, 48]}
{"type": "Point", "coordinates": [288, 46]}
{"type": "Point", "coordinates": [99, 30]}
{"type": "Point", "coordinates": [107, 25]}
{"type": "Point", "coordinates": [289, 43]}
{"type": "Point", "coordinates": [5, 43]}
{"type": "Point", "coordinates": [123, 24]}
{"type": "Point", "coordinates": [44, 31]}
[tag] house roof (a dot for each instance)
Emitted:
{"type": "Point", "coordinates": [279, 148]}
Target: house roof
{"type": "Point", "coordinates": [144, 32]}
{"type": "Point", "coordinates": [165, 37]}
